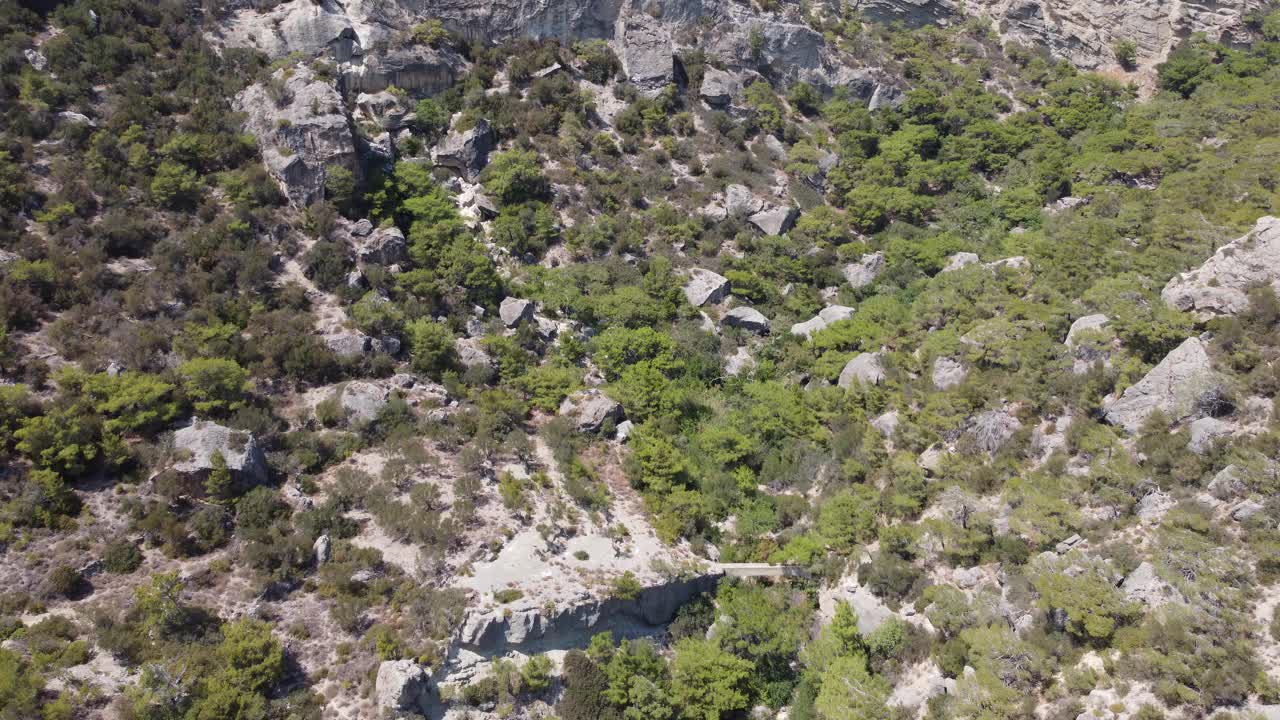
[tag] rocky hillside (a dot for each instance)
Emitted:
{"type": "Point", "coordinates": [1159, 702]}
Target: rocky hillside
{"type": "Point", "coordinates": [676, 360]}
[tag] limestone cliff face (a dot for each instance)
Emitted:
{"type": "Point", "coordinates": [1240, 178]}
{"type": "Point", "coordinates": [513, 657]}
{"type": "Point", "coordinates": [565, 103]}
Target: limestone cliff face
{"type": "Point", "coordinates": [493, 632]}
{"type": "Point", "coordinates": [1083, 32]}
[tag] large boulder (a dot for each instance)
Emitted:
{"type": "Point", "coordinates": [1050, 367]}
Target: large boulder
{"type": "Point", "coordinates": [1220, 286]}
{"type": "Point", "coordinates": [719, 88]}
{"type": "Point", "coordinates": [196, 445]}
{"type": "Point", "coordinates": [591, 409]}
{"type": "Point", "coordinates": [301, 125]}
{"type": "Point", "coordinates": [402, 685]}
{"type": "Point", "coordinates": [467, 152]}
{"type": "Point", "coordinates": [865, 271]}
{"type": "Point", "coordinates": [746, 318]}
{"type": "Point", "coordinates": [384, 246]}
{"type": "Point", "coordinates": [775, 220]}
{"type": "Point", "coordinates": [1176, 386]}
{"type": "Point", "coordinates": [705, 287]}
{"type": "Point", "coordinates": [865, 369]}
{"type": "Point", "coordinates": [515, 311]}
{"type": "Point", "coordinates": [385, 108]}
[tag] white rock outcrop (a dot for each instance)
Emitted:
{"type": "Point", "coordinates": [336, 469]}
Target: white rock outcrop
{"type": "Point", "coordinates": [948, 373]}
{"type": "Point", "coordinates": [1220, 286]}
{"type": "Point", "coordinates": [1174, 386]}
{"type": "Point", "coordinates": [402, 685]}
{"type": "Point", "coordinates": [705, 287]}
{"type": "Point", "coordinates": [866, 369]}
{"type": "Point", "coordinates": [196, 444]}
{"type": "Point", "coordinates": [301, 126]}
{"type": "Point", "coordinates": [865, 271]}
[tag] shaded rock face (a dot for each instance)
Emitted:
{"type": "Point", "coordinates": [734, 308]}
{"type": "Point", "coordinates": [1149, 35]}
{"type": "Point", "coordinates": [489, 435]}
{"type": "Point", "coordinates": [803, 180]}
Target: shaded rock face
{"type": "Point", "coordinates": [402, 685]}
{"type": "Point", "coordinates": [195, 446]}
{"type": "Point", "coordinates": [1221, 284]}
{"type": "Point", "coordinates": [647, 55]}
{"type": "Point", "coordinates": [1083, 32]}
{"type": "Point", "coordinates": [467, 152]}
{"type": "Point", "coordinates": [419, 70]}
{"type": "Point", "coordinates": [1176, 386]}
{"type": "Point", "coordinates": [301, 126]}
{"type": "Point", "coordinates": [532, 630]}
{"type": "Point", "coordinates": [705, 287]}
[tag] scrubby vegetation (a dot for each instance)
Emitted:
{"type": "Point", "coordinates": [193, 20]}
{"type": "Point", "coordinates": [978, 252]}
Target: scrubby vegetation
{"type": "Point", "coordinates": [152, 272]}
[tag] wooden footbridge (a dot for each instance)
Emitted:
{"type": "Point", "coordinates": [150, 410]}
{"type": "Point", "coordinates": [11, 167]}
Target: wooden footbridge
{"type": "Point", "coordinates": [759, 570]}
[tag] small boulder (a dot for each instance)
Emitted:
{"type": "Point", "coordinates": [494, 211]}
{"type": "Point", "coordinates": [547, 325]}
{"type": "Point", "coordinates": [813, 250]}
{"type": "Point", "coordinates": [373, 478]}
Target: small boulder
{"type": "Point", "coordinates": [195, 446]}
{"type": "Point", "coordinates": [705, 287]}
{"type": "Point", "coordinates": [865, 271]}
{"type": "Point", "coordinates": [886, 424]}
{"type": "Point", "coordinates": [1067, 545]}
{"type": "Point", "coordinates": [402, 685]}
{"type": "Point", "coordinates": [746, 318]}
{"type": "Point", "coordinates": [467, 153]}
{"type": "Point", "coordinates": [775, 220]}
{"type": "Point", "coordinates": [826, 316]}
{"type": "Point", "coordinates": [948, 373]}
{"type": "Point", "coordinates": [322, 549]}
{"type": "Point", "coordinates": [865, 369]}
{"type": "Point", "coordinates": [739, 362]}
{"type": "Point", "coordinates": [1245, 510]}
{"type": "Point", "coordinates": [1085, 324]}
{"type": "Point", "coordinates": [515, 311]}
{"type": "Point", "coordinates": [591, 410]}
{"type": "Point", "coordinates": [361, 228]}
{"type": "Point", "coordinates": [1228, 483]}
{"type": "Point", "coordinates": [740, 201]}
